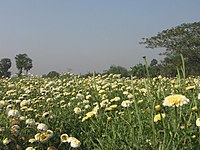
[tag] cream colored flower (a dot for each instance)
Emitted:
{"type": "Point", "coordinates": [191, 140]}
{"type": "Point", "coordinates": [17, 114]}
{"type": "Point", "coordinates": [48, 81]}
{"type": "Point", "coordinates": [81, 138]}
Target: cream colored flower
{"type": "Point", "coordinates": [30, 148]}
{"type": "Point", "coordinates": [30, 122]}
{"type": "Point", "coordinates": [104, 103]}
{"type": "Point", "coordinates": [77, 110]}
{"type": "Point", "coordinates": [75, 143]}
{"type": "Point", "coordinates": [64, 138]}
{"type": "Point", "coordinates": [190, 87]}
{"type": "Point", "coordinates": [42, 127]}
{"type": "Point", "coordinates": [13, 113]}
{"type": "Point", "coordinates": [2, 103]}
{"type": "Point", "coordinates": [126, 103]}
{"type": "Point", "coordinates": [199, 96]}
{"type": "Point", "coordinates": [45, 115]}
{"type": "Point", "coordinates": [158, 117]}
{"type": "Point", "coordinates": [37, 136]}
{"type": "Point", "coordinates": [175, 100]}
{"type": "Point", "coordinates": [32, 140]}
{"type": "Point", "coordinates": [130, 96]}
{"type": "Point", "coordinates": [49, 133]}
{"type": "Point", "coordinates": [115, 99]}
{"type": "Point", "coordinates": [198, 122]}
{"type": "Point", "coordinates": [6, 141]}
{"type": "Point", "coordinates": [43, 137]}
{"type": "Point", "coordinates": [157, 107]}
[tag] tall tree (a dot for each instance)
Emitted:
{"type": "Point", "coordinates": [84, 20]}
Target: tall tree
{"type": "Point", "coordinates": [23, 62]}
{"type": "Point", "coordinates": [118, 70]}
{"type": "Point", "coordinates": [5, 65]}
{"type": "Point", "coordinates": [183, 39]}
{"type": "Point", "coordinates": [138, 70]}
{"type": "Point", "coordinates": [28, 65]}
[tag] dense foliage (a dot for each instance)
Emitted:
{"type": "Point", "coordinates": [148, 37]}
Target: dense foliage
{"type": "Point", "coordinates": [23, 62]}
{"type": "Point", "coordinates": [5, 65]}
{"type": "Point", "coordinates": [183, 39]}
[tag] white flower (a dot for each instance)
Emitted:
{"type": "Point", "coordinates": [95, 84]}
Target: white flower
{"type": "Point", "coordinates": [30, 148]}
{"type": "Point", "coordinates": [25, 103]}
{"type": "Point", "coordinates": [46, 114]}
{"type": "Point", "coordinates": [30, 122]}
{"type": "Point", "coordinates": [130, 96]}
{"type": "Point", "coordinates": [75, 143]}
{"type": "Point", "coordinates": [2, 103]}
{"type": "Point", "coordinates": [13, 113]}
{"type": "Point", "coordinates": [126, 103]}
{"type": "Point", "coordinates": [42, 127]}
{"type": "Point", "coordinates": [77, 110]}
{"type": "Point", "coordinates": [32, 140]}
{"type": "Point", "coordinates": [70, 139]}
{"type": "Point", "coordinates": [199, 96]}
{"type": "Point", "coordinates": [198, 122]}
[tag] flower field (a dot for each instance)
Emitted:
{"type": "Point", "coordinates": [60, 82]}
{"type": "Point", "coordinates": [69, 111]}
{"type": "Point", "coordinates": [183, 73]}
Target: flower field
{"type": "Point", "coordinates": [103, 112]}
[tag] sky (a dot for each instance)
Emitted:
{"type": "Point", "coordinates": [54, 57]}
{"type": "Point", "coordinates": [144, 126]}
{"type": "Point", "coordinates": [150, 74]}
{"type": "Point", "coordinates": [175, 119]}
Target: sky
{"type": "Point", "coordinates": [83, 36]}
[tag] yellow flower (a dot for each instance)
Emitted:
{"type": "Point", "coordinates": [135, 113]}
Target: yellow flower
{"type": "Point", "coordinates": [64, 138]}
{"type": "Point", "coordinates": [175, 100]}
{"type": "Point", "coordinates": [157, 107]}
{"type": "Point", "coordinates": [113, 106]}
{"type": "Point", "coordinates": [43, 137]}
{"type": "Point", "coordinates": [30, 148]}
{"type": "Point", "coordinates": [6, 141]}
{"type": "Point", "coordinates": [198, 122]}
{"type": "Point", "coordinates": [104, 103]}
{"type": "Point", "coordinates": [115, 99]}
{"type": "Point", "coordinates": [194, 108]}
{"type": "Point", "coordinates": [158, 117]}
{"type": "Point", "coordinates": [85, 118]}
{"type": "Point", "coordinates": [190, 87]}
{"type": "Point", "coordinates": [77, 110]}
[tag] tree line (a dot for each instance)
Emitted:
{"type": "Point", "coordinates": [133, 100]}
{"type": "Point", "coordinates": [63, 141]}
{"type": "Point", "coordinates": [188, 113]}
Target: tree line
{"type": "Point", "coordinates": [23, 63]}
{"type": "Point", "coordinates": [182, 53]}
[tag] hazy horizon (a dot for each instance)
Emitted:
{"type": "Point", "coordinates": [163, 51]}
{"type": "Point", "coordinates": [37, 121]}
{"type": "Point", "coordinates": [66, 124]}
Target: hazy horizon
{"type": "Point", "coordinates": [87, 36]}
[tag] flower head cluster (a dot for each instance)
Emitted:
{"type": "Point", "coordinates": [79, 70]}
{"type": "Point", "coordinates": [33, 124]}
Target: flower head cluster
{"type": "Point", "coordinates": [126, 103]}
{"type": "Point", "coordinates": [175, 100]}
{"type": "Point", "coordinates": [75, 143]}
{"type": "Point", "coordinates": [91, 113]}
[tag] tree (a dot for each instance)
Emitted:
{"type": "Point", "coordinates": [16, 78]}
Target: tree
{"type": "Point", "coordinates": [5, 65]}
{"type": "Point", "coordinates": [28, 65]}
{"type": "Point", "coordinates": [23, 62]}
{"type": "Point", "coordinates": [183, 39]}
{"type": "Point", "coordinates": [118, 70]}
{"type": "Point", "coordinates": [53, 74]}
{"type": "Point", "coordinates": [138, 70]}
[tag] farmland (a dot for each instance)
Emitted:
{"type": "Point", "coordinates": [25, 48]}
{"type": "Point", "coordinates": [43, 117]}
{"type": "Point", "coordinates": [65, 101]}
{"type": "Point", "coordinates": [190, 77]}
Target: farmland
{"type": "Point", "coordinates": [107, 112]}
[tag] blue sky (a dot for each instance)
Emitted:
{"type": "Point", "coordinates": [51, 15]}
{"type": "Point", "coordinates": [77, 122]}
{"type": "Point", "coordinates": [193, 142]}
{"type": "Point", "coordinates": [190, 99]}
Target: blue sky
{"type": "Point", "coordinates": [87, 35]}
